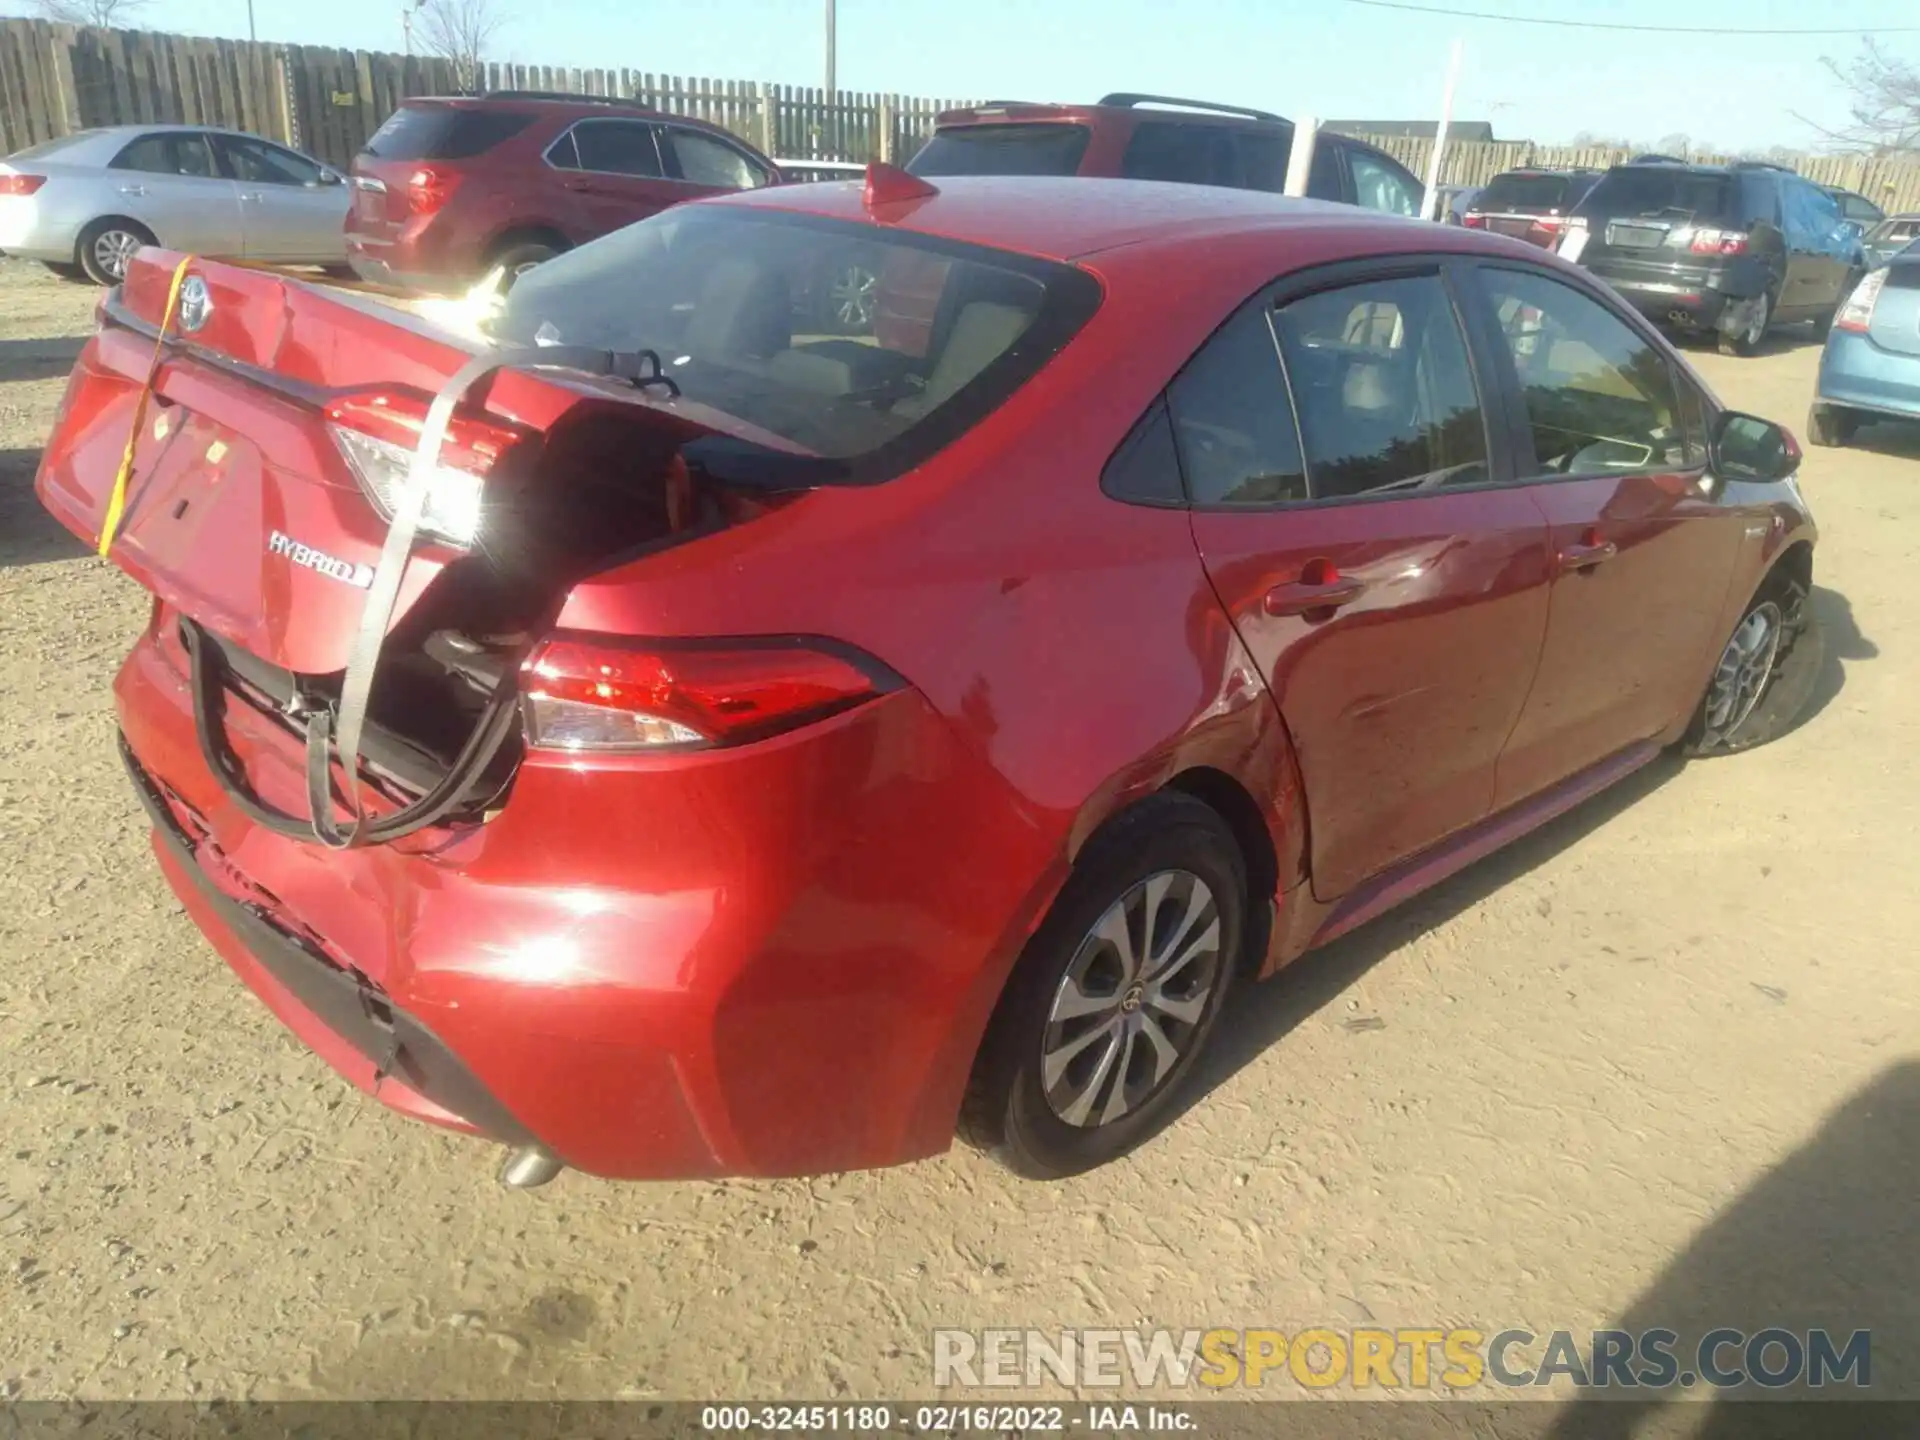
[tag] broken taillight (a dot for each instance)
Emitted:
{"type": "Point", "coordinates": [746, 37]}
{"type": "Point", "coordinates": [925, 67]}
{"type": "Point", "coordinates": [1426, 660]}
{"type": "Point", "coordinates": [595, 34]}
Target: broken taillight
{"type": "Point", "coordinates": [1857, 314]}
{"type": "Point", "coordinates": [601, 695]}
{"type": "Point", "coordinates": [428, 188]}
{"type": "Point", "coordinates": [378, 432]}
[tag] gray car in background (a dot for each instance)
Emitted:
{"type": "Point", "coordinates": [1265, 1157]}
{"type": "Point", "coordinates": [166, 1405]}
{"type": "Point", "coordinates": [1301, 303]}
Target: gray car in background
{"type": "Point", "coordinates": [86, 202]}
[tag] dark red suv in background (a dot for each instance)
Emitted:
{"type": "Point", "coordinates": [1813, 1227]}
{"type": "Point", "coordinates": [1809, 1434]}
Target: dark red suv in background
{"type": "Point", "coordinates": [449, 188]}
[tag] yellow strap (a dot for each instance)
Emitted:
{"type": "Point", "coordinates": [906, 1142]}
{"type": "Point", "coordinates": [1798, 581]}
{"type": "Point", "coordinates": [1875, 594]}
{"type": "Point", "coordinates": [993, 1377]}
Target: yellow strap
{"type": "Point", "coordinates": [117, 502]}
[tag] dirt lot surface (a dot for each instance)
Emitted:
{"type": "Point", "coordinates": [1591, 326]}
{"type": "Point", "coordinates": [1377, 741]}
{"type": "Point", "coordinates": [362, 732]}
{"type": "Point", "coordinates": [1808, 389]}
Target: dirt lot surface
{"type": "Point", "coordinates": [1658, 1065]}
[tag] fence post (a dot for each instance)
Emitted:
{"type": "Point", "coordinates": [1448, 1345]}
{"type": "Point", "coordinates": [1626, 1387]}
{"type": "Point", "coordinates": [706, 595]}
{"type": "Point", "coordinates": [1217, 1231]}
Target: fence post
{"type": "Point", "coordinates": [883, 121]}
{"type": "Point", "coordinates": [764, 118]}
{"type": "Point", "coordinates": [289, 107]}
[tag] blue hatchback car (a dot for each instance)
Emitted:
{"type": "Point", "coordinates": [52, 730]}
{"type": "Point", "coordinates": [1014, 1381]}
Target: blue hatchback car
{"type": "Point", "coordinates": [1870, 369]}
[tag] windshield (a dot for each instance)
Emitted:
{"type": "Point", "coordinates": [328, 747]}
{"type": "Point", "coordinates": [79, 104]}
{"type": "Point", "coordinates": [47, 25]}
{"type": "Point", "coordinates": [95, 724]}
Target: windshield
{"type": "Point", "coordinates": [859, 345]}
{"type": "Point", "coordinates": [1045, 149]}
{"type": "Point", "coordinates": [52, 147]}
{"type": "Point", "coordinates": [1655, 190]}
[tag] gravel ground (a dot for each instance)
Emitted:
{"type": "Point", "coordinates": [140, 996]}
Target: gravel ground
{"type": "Point", "coordinates": [1655, 1065]}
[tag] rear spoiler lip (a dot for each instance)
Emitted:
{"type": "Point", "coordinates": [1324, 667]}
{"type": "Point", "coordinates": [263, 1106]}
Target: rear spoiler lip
{"type": "Point", "coordinates": [113, 310]}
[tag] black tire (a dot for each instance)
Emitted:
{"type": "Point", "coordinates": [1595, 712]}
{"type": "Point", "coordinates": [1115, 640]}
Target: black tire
{"type": "Point", "coordinates": [1829, 425]}
{"type": "Point", "coordinates": [91, 253]}
{"type": "Point", "coordinates": [1791, 674]}
{"type": "Point", "coordinates": [521, 256]}
{"type": "Point", "coordinates": [1008, 1111]}
{"type": "Point", "coordinates": [66, 270]}
{"type": "Point", "coordinates": [1748, 342]}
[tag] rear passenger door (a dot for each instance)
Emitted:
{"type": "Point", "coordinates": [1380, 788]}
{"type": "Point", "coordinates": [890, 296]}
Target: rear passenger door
{"type": "Point", "coordinates": [1347, 501]}
{"type": "Point", "coordinates": [612, 174]}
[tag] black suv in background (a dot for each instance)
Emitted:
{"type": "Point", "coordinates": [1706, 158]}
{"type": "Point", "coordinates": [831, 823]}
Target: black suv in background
{"type": "Point", "coordinates": [1530, 204]}
{"type": "Point", "coordinates": [1729, 250]}
{"type": "Point", "coordinates": [1156, 137]}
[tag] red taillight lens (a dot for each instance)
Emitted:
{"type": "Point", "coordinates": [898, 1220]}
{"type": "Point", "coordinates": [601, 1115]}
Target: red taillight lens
{"type": "Point", "coordinates": [1474, 220]}
{"type": "Point", "coordinates": [1718, 242]}
{"type": "Point", "coordinates": [603, 696]}
{"type": "Point", "coordinates": [378, 432]}
{"type": "Point", "coordinates": [21, 184]}
{"type": "Point", "coordinates": [1548, 224]}
{"type": "Point", "coordinates": [1857, 314]}
{"type": "Point", "coordinates": [429, 188]}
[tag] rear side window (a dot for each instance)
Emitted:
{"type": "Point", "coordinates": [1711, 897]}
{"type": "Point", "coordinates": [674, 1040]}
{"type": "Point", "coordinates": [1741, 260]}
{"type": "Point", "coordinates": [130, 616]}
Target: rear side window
{"type": "Point", "coordinates": [443, 132]}
{"type": "Point", "coordinates": [1232, 423]}
{"type": "Point", "coordinates": [1185, 153]}
{"type": "Point", "coordinates": [173, 153]}
{"type": "Point", "coordinates": [1002, 150]}
{"type": "Point", "coordinates": [1600, 399]}
{"type": "Point", "coordinates": [613, 147]}
{"type": "Point", "coordinates": [1662, 190]}
{"type": "Point", "coordinates": [1384, 388]}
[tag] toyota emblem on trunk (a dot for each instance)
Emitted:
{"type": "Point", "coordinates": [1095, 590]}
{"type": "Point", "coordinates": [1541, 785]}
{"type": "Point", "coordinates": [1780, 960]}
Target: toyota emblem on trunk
{"type": "Point", "coordinates": [195, 303]}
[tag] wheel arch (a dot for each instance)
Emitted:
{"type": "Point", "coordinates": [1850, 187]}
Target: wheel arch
{"type": "Point", "coordinates": [522, 233]}
{"type": "Point", "coordinates": [113, 218]}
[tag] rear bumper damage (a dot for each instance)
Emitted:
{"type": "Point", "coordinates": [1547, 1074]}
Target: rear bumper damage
{"type": "Point", "coordinates": [645, 971]}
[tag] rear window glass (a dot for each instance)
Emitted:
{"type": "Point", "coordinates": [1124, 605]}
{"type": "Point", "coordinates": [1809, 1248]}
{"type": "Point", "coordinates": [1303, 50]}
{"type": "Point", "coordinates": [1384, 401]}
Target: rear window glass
{"type": "Point", "coordinates": [1657, 190]}
{"type": "Point", "coordinates": [836, 352]}
{"type": "Point", "coordinates": [1525, 192]}
{"type": "Point", "coordinates": [1002, 150]}
{"type": "Point", "coordinates": [442, 132]}
{"type": "Point", "coordinates": [52, 147]}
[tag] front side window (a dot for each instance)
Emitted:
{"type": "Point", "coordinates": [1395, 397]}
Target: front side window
{"type": "Point", "coordinates": [1384, 387]}
{"type": "Point", "coordinates": [1379, 184]}
{"type": "Point", "coordinates": [173, 152]}
{"type": "Point", "coordinates": [257, 163]}
{"type": "Point", "coordinates": [617, 147]}
{"type": "Point", "coordinates": [740, 310]}
{"type": "Point", "coordinates": [1232, 423]}
{"type": "Point", "coordinates": [1600, 399]}
{"type": "Point", "coordinates": [707, 161]}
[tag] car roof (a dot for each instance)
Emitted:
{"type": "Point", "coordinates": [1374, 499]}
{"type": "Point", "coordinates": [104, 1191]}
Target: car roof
{"type": "Point", "coordinates": [1110, 110]}
{"type": "Point", "coordinates": [1071, 217]}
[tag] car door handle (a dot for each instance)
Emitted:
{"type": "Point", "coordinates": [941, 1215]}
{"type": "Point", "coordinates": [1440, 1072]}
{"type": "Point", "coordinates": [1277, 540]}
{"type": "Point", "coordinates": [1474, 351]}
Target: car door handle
{"type": "Point", "coordinates": [1311, 594]}
{"type": "Point", "coordinates": [251, 195]}
{"type": "Point", "coordinates": [133, 189]}
{"type": "Point", "coordinates": [1590, 551]}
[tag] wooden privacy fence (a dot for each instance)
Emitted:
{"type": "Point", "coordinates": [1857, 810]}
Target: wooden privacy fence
{"type": "Point", "coordinates": [1892, 183]}
{"type": "Point", "coordinates": [55, 79]}
{"type": "Point", "coordinates": [58, 78]}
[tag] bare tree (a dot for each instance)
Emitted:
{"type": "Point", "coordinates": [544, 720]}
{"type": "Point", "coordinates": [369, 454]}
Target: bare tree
{"type": "Point", "coordinates": [1884, 105]}
{"type": "Point", "coordinates": [108, 14]}
{"type": "Point", "coordinates": [460, 31]}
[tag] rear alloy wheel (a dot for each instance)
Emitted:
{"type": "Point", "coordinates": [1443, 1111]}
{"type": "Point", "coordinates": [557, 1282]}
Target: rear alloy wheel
{"type": "Point", "coordinates": [1116, 994]}
{"type": "Point", "coordinates": [851, 296]}
{"type": "Point", "coordinates": [1829, 425]}
{"type": "Point", "coordinates": [1764, 676]}
{"type": "Point", "coordinates": [107, 247]}
{"type": "Point", "coordinates": [1747, 340]}
{"type": "Point", "coordinates": [516, 260]}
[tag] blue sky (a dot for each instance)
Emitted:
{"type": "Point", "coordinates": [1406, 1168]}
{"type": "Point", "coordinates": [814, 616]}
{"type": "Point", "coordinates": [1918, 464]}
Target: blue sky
{"type": "Point", "coordinates": [1329, 58]}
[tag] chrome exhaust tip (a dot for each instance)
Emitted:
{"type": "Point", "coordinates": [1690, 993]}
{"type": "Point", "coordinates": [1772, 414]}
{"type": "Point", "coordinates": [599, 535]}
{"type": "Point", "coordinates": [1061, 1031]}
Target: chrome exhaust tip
{"type": "Point", "coordinates": [528, 1167]}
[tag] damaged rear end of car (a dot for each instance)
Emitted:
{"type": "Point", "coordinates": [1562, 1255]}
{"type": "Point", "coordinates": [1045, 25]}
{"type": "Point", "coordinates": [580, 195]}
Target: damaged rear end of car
{"type": "Point", "coordinates": [467, 821]}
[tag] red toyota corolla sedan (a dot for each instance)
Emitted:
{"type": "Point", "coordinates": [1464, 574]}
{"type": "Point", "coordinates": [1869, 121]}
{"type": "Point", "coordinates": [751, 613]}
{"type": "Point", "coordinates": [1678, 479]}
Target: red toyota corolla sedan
{"type": "Point", "coordinates": [783, 745]}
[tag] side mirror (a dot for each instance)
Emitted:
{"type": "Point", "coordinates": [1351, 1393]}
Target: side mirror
{"type": "Point", "coordinates": [331, 177]}
{"type": "Point", "coordinates": [1745, 447]}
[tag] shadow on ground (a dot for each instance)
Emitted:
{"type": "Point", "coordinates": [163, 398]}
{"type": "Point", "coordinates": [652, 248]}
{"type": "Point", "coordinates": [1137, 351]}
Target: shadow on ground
{"type": "Point", "coordinates": [39, 359]}
{"type": "Point", "coordinates": [1899, 439]}
{"type": "Point", "coordinates": [28, 534]}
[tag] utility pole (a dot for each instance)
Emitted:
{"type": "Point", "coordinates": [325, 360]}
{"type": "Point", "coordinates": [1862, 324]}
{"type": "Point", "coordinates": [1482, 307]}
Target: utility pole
{"type": "Point", "coordinates": [250, 35]}
{"type": "Point", "coordinates": [831, 88]}
{"type": "Point", "coordinates": [1429, 204]}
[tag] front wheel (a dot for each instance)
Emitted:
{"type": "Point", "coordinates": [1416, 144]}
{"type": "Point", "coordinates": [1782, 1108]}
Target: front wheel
{"type": "Point", "coordinates": [1765, 674]}
{"type": "Point", "coordinates": [1746, 340]}
{"type": "Point", "coordinates": [1828, 425]}
{"type": "Point", "coordinates": [1115, 995]}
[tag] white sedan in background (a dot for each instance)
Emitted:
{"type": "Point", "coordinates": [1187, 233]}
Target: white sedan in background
{"type": "Point", "coordinates": [86, 202]}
